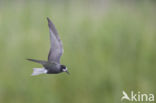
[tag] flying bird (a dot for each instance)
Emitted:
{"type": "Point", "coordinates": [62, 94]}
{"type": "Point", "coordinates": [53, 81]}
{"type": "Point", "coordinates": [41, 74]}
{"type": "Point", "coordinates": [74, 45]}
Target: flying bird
{"type": "Point", "coordinates": [52, 65]}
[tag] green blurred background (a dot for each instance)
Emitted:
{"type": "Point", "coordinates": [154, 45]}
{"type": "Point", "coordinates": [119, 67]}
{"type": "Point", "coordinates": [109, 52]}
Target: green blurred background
{"type": "Point", "coordinates": [109, 46]}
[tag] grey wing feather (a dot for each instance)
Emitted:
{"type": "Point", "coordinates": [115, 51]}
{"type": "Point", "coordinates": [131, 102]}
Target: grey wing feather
{"type": "Point", "coordinates": [38, 61]}
{"type": "Point", "coordinates": [56, 48]}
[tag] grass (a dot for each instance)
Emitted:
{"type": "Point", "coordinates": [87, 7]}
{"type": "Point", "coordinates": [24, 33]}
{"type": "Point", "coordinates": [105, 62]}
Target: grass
{"type": "Point", "coordinates": [109, 47]}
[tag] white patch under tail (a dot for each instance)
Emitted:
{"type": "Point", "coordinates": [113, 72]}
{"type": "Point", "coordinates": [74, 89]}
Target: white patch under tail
{"type": "Point", "coordinates": [38, 71]}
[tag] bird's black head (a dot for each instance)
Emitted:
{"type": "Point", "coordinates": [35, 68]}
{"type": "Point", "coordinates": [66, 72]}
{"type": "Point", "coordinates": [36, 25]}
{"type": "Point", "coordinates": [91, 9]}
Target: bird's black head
{"type": "Point", "coordinates": [64, 69]}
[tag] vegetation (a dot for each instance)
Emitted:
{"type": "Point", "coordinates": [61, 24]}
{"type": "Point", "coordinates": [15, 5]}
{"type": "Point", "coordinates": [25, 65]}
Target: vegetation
{"type": "Point", "coordinates": [108, 47]}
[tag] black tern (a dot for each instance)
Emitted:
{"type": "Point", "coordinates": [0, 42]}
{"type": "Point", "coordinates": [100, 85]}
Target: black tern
{"type": "Point", "coordinates": [52, 66]}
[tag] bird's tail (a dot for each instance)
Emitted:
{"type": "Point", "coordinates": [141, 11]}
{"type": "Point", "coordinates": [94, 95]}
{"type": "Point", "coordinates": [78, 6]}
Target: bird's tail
{"type": "Point", "coordinates": [38, 61]}
{"type": "Point", "coordinates": [38, 71]}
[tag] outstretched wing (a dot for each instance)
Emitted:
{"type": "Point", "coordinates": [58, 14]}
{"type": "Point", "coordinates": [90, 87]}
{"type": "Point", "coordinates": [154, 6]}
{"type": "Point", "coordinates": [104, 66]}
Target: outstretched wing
{"type": "Point", "coordinates": [38, 61]}
{"type": "Point", "coordinates": [56, 48]}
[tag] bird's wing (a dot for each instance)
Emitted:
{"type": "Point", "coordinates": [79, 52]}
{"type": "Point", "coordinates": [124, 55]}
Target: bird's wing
{"type": "Point", "coordinates": [38, 61]}
{"type": "Point", "coordinates": [56, 48]}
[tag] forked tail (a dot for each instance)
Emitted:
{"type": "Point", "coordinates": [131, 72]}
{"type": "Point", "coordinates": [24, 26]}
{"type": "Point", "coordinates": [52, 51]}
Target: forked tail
{"type": "Point", "coordinates": [38, 71]}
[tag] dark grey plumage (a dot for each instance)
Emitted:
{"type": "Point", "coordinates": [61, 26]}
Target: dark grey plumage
{"type": "Point", "coordinates": [52, 66]}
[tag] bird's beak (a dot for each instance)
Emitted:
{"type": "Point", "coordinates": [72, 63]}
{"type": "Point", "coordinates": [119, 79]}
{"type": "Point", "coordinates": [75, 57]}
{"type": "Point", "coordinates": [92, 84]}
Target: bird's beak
{"type": "Point", "coordinates": [67, 72]}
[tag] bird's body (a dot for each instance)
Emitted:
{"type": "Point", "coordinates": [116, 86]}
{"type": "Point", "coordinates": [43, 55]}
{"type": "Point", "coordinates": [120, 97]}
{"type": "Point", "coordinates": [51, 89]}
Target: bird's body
{"type": "Point", "coordinates": [52, 66]}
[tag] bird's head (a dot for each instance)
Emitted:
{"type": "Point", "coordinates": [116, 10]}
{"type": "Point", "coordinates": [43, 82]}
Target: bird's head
{"type": "Point", "coordinates": [64, 69]}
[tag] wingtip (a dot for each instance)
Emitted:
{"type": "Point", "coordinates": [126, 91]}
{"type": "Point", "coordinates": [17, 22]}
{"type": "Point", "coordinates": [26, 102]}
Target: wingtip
{"type": "Point", "coordinates": [27, 59]}
{"type": "Point", "coordinates": [49, 22]}
{"type": "Point", "coordinates": [48, 19]}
